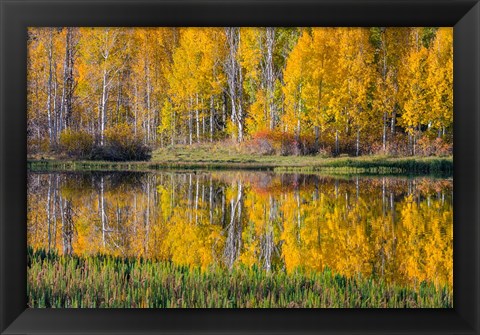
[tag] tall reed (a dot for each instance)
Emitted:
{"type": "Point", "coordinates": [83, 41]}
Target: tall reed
{"type": "Point", "coordinates": [107, 281]}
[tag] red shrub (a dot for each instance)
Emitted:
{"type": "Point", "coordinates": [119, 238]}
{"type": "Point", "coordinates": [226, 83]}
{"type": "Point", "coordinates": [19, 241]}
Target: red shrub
{"type": "Point", "coordinates": [433, 147]}
{"type": "Point", "coordinates": [267, 142]}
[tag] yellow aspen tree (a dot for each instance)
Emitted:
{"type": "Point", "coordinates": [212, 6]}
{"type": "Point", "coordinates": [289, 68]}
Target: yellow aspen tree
{"type": "Point", "coordinates": [36, 90]}
{"type": "Point", "coordinates": [298, 78]}
{"type": "Point", "coordinates": [355, 76]}
{"type": "Point", "coordinates": [104, 52]}
{"type": "Point", "coordinates": [339, 98]}
{"type": "Point", "coordinates": [250, 55]}
{"type": "Point", "coordinates": [196, 75]}
{"type": "Point", "coordinates": [439, 82]}
{"type": "Point", "coordinates": [211, 76]}
{"type": "Point", "coordinates": [234, 76]}
{"type": "Point", "coordinates": [182, 79]}
{"type": "Point", "coordinates": [165, 42]}
{"type": "Point", "coordinates": [413, 89]}
{"type": "Point", "coordinates": [324, 67]}
{"type": "Point", "coordinates": [143, 73]}
{"type": "Point", "coordinates": [263, 52]}
{"type": "Point", "coordinates": [391, 46]}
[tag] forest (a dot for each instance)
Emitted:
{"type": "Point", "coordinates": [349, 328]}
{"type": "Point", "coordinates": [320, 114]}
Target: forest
{"type": "Point", "coordinates": [121, 93]}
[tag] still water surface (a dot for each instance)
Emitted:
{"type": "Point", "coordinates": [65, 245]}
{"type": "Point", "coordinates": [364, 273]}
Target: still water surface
{"type": "Point", "coordinates": [396, 228]}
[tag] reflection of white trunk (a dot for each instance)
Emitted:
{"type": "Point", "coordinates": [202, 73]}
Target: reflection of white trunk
{"type": "Point", "coordinates": [54, 216]}
{"type": "Point", "coordinates": [102, 210]}
{"type": "Point", "coordinates": [66, 216]}
{"type": "Point", "coordinates": [190, 197]}
{"type": "Point", "coordinates": [230, 247]}
{"type": "Point", "coordinates": [196, 200]}
{"type": "Point", "coordinates": [223, 207]}
{"type": "Point", "coordinates": [392, 208]}
{"type": "Point", "coordinates": [357, 187]}
{"type": "Point", "coordinates": [62, 213]}
{"type": "Point", "coordinates": [268, 239]}
{"type": "Point", "coordinates": [347, 207]}
{"type": "Point", "coordinates": [240, 204]}
{"type": "Point", "coordinates": [118, 213]}
{"type": "Point", "coordinates": [67, 226]}
{"type": "Point", "coordinates": [48, 212]}
{"type": "Point", "coordinates": [383, 196]}
{"type": "Point", "coordinates": [147, 219]}
{"type": "Point", "coordinates": [210, 200]}
{"type": "Point", "coordinates": [234, 229]}
{"type": "Point", "coordinates": [135, 214]}
{"type": "Point", "coordinates": [297, 197]}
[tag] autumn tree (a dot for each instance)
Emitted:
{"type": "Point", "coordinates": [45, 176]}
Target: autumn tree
{"type": "Point", "coordinates": [234, 76]}
{"type": "Point", "coordinates": [350, 100]}
{"type": "Point", "coordinates": [440, 82]}
{"type": "Point", "coordinates": [391, 45]}
{"type": "Point", "coordinates": [328, 90]}
{"type": "Point", "coordinates": [104, 52]}
{"type": "Point", "coordinates": [416, 101]}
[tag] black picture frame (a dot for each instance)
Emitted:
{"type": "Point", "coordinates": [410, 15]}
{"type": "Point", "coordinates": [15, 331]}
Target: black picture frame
{"type": "Point", "coordinates": [16, 16]}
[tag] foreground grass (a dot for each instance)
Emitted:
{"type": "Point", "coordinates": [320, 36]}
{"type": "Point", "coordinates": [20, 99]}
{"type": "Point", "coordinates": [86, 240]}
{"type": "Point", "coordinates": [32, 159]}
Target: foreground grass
{"type": "Point", "coordinates": [211, 157]}
{"type": "Point", "coordinates": [106, 281]}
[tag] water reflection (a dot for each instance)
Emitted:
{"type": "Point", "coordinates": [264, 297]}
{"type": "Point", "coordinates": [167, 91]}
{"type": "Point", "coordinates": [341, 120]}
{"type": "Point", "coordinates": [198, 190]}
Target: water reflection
{"type": "Point", "coordinates": [399, 229]}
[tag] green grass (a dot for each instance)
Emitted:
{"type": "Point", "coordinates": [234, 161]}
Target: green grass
{"type": "Point", "coordinates": [106, 281]}
{"type": "Point", "coordinates": [214, 154]}
{"type": "Point", "coordinates": [184, 158]}
{"type": "Point", "coordinates": [217, 157]}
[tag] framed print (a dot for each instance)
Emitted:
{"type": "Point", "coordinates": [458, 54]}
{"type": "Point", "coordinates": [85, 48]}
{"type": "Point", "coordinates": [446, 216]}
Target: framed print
{"type": "Point", "coordinates": [240, 167]}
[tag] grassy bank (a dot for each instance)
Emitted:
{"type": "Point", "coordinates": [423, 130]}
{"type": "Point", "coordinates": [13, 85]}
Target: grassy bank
{"type": "Point", "coordinates": [105, 281]}
{"type": "Point", "coordinates": [208, 158]}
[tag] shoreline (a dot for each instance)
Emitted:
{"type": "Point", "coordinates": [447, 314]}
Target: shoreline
{"type": "Point", "coordinates": [376, 165]}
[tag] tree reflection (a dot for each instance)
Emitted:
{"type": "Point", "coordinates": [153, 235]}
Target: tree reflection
{"type": "Point", "coordinates": [398, 229]}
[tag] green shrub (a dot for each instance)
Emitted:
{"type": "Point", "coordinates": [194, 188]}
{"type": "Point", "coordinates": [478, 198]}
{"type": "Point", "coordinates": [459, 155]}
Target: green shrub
{"type": "Point", "coordinates": [76, 143]}
{"type": "Point", "coordinates": [121, 144]}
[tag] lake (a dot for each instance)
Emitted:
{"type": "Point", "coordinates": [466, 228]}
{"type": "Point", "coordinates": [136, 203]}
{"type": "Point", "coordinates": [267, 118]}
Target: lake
{"type": "Point", "coordinates": [395, 228]}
